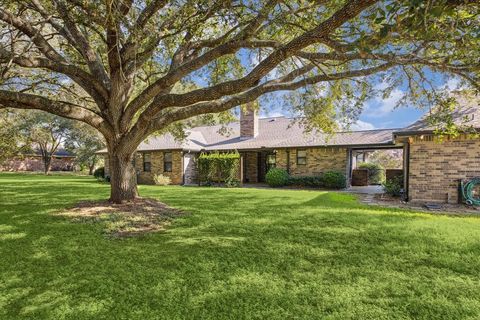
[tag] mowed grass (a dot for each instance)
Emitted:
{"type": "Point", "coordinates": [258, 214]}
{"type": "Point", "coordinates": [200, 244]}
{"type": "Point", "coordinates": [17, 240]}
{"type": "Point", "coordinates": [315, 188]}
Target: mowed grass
{"type": "Point", "coordinates": [238, 254]}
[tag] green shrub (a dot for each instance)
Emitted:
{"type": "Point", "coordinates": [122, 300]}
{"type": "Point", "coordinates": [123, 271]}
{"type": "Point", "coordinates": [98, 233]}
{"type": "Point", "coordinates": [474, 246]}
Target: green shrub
{"type": "Point", "coordinates": [276, 177]}
{"type": "Point", "coordinates": [376, 173]}
{"type": "Point", "coordinates": [232, 183]}
{"type": "Point", "coordinates": [334, 180]}
{"type": "Point", "coordinates": [219, 167]}
{"type": "Point", "coordinates": [393, 186]}
{"type": "Point", "coordinates": [99, 173]}
{"type": "Point", "coordinates": [161, 180]}
{"type": "Point", "coordinates": [306, 181]}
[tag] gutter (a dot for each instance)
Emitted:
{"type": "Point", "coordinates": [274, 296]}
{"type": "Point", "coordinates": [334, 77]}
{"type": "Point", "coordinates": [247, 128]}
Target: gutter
{"type": "Point", "coordinates": [413, 132]}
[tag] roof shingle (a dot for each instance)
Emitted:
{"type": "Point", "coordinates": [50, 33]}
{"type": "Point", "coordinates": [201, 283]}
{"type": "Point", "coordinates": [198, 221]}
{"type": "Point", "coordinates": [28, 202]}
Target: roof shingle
{"type": "Point", "coordinates": [278, 132]}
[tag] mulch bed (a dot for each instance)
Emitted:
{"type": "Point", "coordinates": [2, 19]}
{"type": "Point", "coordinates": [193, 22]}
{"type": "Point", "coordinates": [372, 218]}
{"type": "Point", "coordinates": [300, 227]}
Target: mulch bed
{"type": "Point", "coordinates": [141, 216]}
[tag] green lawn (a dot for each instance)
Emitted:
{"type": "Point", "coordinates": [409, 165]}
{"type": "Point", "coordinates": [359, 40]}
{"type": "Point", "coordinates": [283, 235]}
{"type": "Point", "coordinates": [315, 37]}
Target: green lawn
{"type": "Point", "coordinates": [239, 254]}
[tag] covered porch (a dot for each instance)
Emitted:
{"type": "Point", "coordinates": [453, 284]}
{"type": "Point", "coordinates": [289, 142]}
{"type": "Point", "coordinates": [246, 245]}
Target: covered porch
{"type": "Point", "coordinates": [358, 177]}
{"type": "Point", "coordinates": [254, 164]}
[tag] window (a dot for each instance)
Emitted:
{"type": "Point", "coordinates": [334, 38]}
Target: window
{"type": "Point", "coordinates": [301, 157]}
{"type": "Point", "coordinates": [147, 164]}
{"type": "Point", "coordinates": [167, 162]}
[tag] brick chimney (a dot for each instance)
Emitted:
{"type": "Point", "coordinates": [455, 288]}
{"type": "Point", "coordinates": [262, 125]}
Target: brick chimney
{"type": "Point", "coordinates": [248, 122]}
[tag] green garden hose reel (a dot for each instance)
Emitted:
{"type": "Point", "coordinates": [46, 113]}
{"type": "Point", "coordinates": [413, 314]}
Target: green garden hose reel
{"type": "Point", "coordinates": [467, 188]}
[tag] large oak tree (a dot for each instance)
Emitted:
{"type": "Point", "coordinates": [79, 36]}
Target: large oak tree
{"type": "Point", "coordinates": [130, 68]}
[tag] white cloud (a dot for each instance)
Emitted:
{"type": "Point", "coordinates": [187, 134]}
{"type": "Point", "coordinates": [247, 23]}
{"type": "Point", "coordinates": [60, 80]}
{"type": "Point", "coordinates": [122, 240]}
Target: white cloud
{"type": "Point", "coordinates": [271, 114]}
{"type": "Point", "coordinates": [362, 125]}
{"type": "Point", "coordinates": [381, 85]}
{"type": "Point", "coordinates": [381, 107]}
{"type": "Point", "coordinates": [452, 84]}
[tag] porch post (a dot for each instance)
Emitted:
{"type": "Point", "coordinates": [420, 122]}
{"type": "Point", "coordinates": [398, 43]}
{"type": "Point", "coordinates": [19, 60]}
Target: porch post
{"type": "Point", "coordinates": [241, 169]}
{"type": "Point", "coordinates": [348, 169]}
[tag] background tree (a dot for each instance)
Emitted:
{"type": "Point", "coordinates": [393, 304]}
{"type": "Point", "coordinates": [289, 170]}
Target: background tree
{"type": "Point", "coordinates": [84, 141]}
{"type": "Point", "coordinates": [130, 68]}
{"type": "Point", "coordinates": [44, 132]}
{"type": "Point", "coordinates": [388, 159]}
{"type": "Point", "coordinates": [12, 143]}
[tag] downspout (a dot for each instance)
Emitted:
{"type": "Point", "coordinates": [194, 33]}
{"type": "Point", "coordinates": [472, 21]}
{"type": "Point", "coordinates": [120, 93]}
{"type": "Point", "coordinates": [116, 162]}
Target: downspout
{"type": "Point", "coordinates": [288, 161]}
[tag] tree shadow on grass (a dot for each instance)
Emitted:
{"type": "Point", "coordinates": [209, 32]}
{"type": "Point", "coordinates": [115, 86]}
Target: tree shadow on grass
{"type": "Point", "coordinates": [240, 254]}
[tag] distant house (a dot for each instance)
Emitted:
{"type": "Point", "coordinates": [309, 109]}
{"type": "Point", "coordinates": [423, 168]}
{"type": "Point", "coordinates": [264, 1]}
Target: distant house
{"type": "Point", "coordinates": [431, 169]}
{"type": "Point", "coordinates": [62, 160]}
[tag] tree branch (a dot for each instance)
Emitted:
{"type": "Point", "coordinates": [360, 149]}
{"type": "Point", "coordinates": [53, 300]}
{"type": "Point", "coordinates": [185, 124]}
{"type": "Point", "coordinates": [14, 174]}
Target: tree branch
{"type": "Point", "coordinates": [82, 78]}
{"type": "Point", "coordinates": [80, 42]}
{"type": "Point", "coordinates": [349, 11]}
{"type": "Point", "coordinates": [220, 105]}
{"type": "Point", "coordinates": [34, 34]}
{"type": "Point", "coordinates": [17, 100]}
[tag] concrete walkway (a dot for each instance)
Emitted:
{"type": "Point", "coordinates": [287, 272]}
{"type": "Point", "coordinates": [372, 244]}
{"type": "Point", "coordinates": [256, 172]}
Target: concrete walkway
{"type": "Point", "coordinates": [366, 190]}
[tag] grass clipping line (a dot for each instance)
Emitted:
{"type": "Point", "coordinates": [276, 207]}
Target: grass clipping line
{"type": "Point", "coordinates": [127, 219]}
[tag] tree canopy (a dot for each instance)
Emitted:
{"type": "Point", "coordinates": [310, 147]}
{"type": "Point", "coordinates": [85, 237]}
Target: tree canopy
{"type": "Point", "coordinates": [84, 142]}
{"type": "Point", "coordinates": [130, 68]}
{"type": "Point", "coordinates": [43, 132]}
{"type": "Point", "coordinates": [12, 143]}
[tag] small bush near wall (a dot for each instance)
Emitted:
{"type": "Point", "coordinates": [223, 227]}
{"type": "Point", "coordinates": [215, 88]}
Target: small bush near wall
{"type": "Point", "coordinates": [306, 181]}
{"type": "Point", "coordinates": [99, 173]}
{"type": "Point", "coordinates": [161, 180]}
{"type": "Point", "coordinates": [393, 186]}
{"type": "Point", "coordinates": [276, 177]}
{"type": "Point", "coordinates": [220, 168]}
{"type": "Point", "coordinates": [334, 180]}
{"type": "Point", "coordinates": [376, 173]}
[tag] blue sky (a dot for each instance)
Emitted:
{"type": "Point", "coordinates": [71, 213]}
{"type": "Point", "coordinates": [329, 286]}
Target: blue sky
{"type": "Point", "coordinates": [379, 112]}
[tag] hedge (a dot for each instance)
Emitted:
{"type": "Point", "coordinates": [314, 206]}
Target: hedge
{"type": "Point", "coordinates": [306, 181]}
{"type": "Point", "coordinates": [220, 168]}
{"type": "Point", "coordinates": [329, 180]}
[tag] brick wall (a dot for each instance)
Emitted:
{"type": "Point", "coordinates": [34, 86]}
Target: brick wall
{"type": "Point", "coordinates": [156, 160]}
{"type": "Point", "coordinates": [436, 167]}
{"type": "Point", "coordinates": [319, 160]}
{"type": "Point", "coordinates": [157, 167]}
{"type": "Point", "coordinates": [36, 164]}
{"type": "Point", "coordinates": [250, 166]}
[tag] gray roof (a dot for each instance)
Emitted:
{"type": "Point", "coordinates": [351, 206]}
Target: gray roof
{"type": "Point", "coordinates": [278, 132]}
{"type": "Point", "coordinates": [59, 153]}
{"type": "Point", "coordinates": [467, 114]}
{"type": "Point", "coordinates": [282, 132]}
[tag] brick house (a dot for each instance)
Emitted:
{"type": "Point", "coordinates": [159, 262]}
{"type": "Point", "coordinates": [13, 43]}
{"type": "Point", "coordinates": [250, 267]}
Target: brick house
{"type": "Point", "coordinates": [62, 160]}
{"type": "Point", "coordinates": [435, 166]}
{"type": "Point", "coordinates": [432, 169]}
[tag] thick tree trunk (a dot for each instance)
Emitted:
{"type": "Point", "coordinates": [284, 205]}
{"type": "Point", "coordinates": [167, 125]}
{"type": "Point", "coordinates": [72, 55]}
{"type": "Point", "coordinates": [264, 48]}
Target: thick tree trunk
{"type": "Point", "coordinates": [91, 167]}
{"type": "Point", "coordinates": [47, 164]}
{"type": "Point", "coordinates": [123, 178]}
